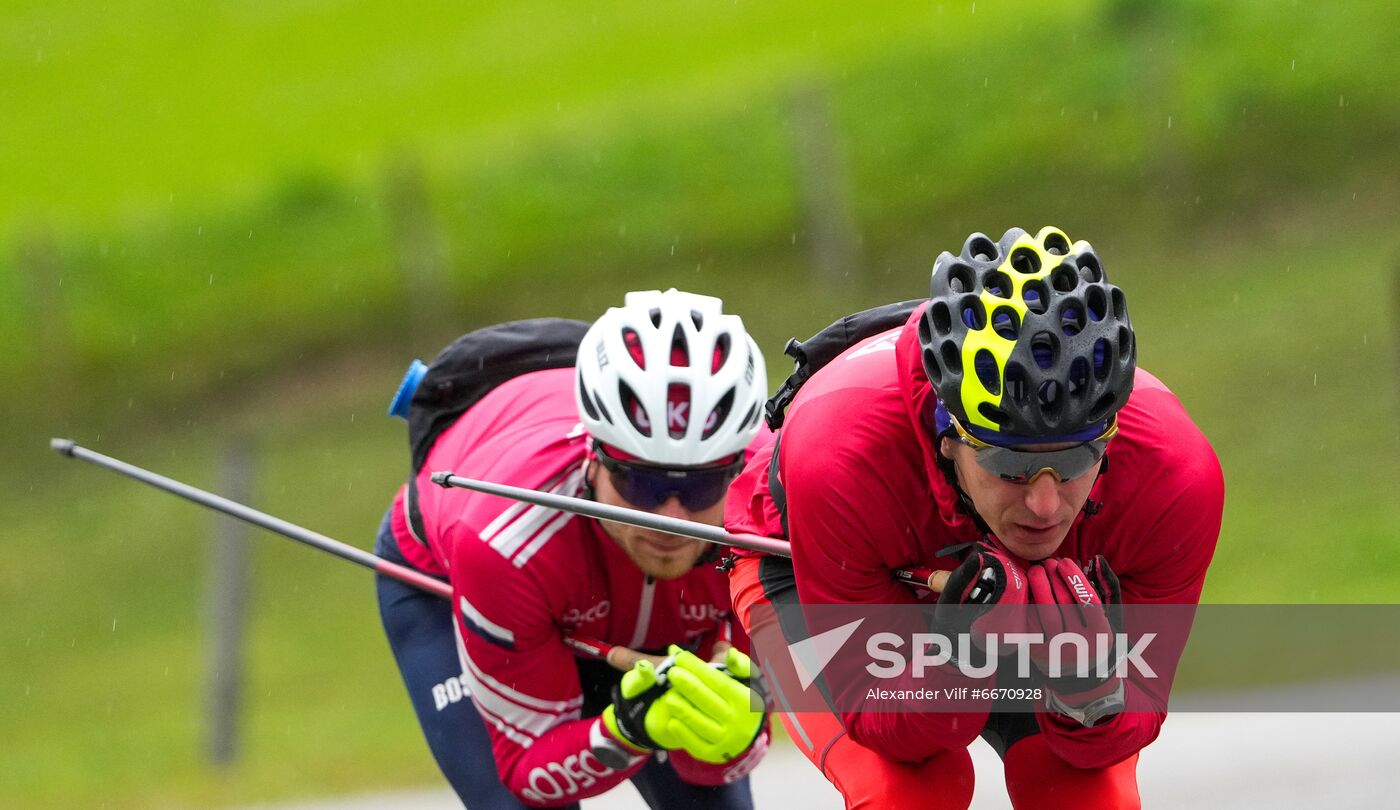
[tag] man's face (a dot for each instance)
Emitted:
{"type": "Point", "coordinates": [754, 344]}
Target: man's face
{"type": "Point", "coordinates": [1030, 519]}
{"type": "Point", "coordinates": [658, 554]}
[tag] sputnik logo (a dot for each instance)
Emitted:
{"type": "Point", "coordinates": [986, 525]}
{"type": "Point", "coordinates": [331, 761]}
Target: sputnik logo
{"type": "Point", "coordinates": [811, 655]}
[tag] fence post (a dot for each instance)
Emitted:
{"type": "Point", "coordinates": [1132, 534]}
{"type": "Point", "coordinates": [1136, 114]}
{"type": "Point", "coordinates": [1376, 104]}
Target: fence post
{"type": "Point", "coordinates": [51, 359]}
{"type": "Point", "coordinates": [227, 590]}
{"type": "Point", "coordinates": [828, 222]}
{"type": "Point", "coordinates": [418, 246]}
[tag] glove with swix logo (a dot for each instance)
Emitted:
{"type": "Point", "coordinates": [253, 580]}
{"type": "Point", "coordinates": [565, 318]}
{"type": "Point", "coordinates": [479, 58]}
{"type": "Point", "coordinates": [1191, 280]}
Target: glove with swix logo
{"type": "Point", "coordinates": [1082, 606]}
{"type": "Point", "coordinates": [985, 595]}
{"type": "Point", "coordinates": [711, 712]}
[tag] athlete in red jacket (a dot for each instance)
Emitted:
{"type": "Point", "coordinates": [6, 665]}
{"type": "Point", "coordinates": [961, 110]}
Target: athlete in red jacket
{"type": "Point", "coordinates": [656, 415]}
{"type": "Point", "coordinates": [992, 415]}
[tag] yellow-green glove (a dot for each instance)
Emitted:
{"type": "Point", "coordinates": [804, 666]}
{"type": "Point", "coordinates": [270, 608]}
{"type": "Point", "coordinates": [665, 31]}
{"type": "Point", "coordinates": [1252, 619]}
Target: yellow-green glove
{"type": "Point", "coordinates": [687, 704]}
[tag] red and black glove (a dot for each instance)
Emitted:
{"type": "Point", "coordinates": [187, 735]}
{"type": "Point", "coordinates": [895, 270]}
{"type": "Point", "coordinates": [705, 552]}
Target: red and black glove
{"type": "Point", "coordinates": [1086, 603]}
{"type": "Point", "coordinates": [984, 595]}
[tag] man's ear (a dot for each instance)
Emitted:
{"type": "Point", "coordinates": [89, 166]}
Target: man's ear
{"type": "Point", "coordinates": [945, 447]}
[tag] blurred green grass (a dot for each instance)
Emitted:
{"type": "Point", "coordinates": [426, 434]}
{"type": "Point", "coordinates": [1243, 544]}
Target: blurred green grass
{"type": "Point", "coordinates": [209, 185]}
{"type": "Point", "coordinates": [252, 190]}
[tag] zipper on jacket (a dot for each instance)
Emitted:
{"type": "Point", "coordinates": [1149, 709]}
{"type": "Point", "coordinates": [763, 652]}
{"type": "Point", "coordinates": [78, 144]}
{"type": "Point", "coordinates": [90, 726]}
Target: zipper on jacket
{"type": "Point", "coordinates": [639, 635]}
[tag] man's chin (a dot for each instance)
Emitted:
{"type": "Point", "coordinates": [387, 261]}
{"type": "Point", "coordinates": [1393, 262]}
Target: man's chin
{"type": "Point", "coordinates": [660, 562]}
{"type": "Point", "coordinates": [1032, 546]}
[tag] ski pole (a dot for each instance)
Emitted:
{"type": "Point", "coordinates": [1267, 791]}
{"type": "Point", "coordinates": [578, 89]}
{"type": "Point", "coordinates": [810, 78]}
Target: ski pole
{"type": "Point", "coordinates": [619, 514]}
{"type": "Point", "coordinates": [914, 575]}
{"type": "Point", "coordinates": [584, 645]}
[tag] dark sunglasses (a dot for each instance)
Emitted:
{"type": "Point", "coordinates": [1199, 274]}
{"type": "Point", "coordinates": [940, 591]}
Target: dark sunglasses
{"type": "Point", "coordinates": [1020, 466]}
{"type": "Point", "coordinates": [647, 486]}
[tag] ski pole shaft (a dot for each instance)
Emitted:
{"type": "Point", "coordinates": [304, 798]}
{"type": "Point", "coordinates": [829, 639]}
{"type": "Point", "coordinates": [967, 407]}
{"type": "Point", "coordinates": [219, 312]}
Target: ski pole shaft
{"type": "Point", "coordinates": [634, 517]}
{"type": "Point", "coordinates": [237, 510]}
{"type": "Point", "coordinates": [923, 577]}
{"type": "Point", "coordinates": [621, 657]}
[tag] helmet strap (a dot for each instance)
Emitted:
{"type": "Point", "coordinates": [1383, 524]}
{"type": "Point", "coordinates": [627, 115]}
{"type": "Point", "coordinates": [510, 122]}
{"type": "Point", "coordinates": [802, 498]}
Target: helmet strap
{"type": "Point", "coordinates": [1091, 506]}
{"type": "Point", "coordinates": [950, 472]}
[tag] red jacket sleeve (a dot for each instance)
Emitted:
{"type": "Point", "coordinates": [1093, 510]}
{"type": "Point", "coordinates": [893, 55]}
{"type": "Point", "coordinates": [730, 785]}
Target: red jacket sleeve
{"type": "Point", "coordinates": [524, 682]}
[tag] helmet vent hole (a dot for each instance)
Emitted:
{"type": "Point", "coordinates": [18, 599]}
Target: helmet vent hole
{"type": "Point", "coordinates": [998, 283]}
{"type": "Point", "coordinates": [1025, 261]}
{"type": "Point", "coordinates": [1050, 394]}
{"type": "Point", "coordinates": [1072, 319]}
{"type": "Point", "coordinates": [1064, 279]}
{"type": "Point", "coordinates": [1056, 244]}
{"type": "Point", "coordinates": [952, 360]}
{"type": "Point", "coordinates": [941, 318]}
{"type": "Point", "coordinates": [982, 249]}
{"type": "Point", "coordinates": [716, 418]}
{"type": "Point", "coordinates": [721, 353]}
{"type": "Point", "coordinates": [633, 409]}
{"type": "Point", "coordinates": [1102, 361]}
{"type": "Point", "coordinates": [680, 349]}
{"type": "Point", "coordinates": [1096, 301]}
{"type": "Point", "coordinates": [697, 319]}
{"type": "Point", "coordinates": [985, 363]}
{"type": "Point", "coordinates": [1044, 348]}
{"type": "Point", "coordinates": [1120, 304]}
{"type": "Point", "coordinates": [1125, 342]}
{"type": "Point", "coordinates": [974, 315]}
{"type": "Point", "coordinates": [932, 366]}
{"type": "Point", "coordinates": [633, 342]}
{"type": "Point", "coordinates": [960, 279]}
{"type": "Point", "coordinates": [1089, 268]}
{"type": "Point", "coordinates": [677, 410]}
{"type": "Point", "coordinates": [1078, 377]}
{"type": "Point", "coordinates": [655, 316]}
{"type": "Point", "coordinates": [993, 414]}
{"type": "Point", "coordinates": [1016, 382]}
{"type": "Point", "coordinates": [586, 400]}
{"type": "Point", "coordinates": [1036, 296]}
{"type": "Point", "coordinates": [1099, 412]}
{"type": "Point", "coordinates": [1006, 323]}
{"type": "Point", "coordinates": [751, 417]}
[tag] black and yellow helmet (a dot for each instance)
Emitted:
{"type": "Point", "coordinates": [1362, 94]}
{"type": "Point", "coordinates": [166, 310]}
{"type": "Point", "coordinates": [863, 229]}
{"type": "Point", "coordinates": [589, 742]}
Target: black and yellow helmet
{"type": "Point", "coordinates": [1024, 339]}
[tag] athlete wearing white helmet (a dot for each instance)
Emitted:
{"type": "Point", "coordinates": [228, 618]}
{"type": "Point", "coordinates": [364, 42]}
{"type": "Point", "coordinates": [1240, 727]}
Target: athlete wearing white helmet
{"type": "Point", "coordinates": [647, 369]}
{"type": "Point", "coordinates": [654, 411]}
{"type": "Point", "coordinates": [671, 391]}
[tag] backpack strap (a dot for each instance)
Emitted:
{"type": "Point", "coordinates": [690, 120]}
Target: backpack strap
{"type": "Point", "coordinates": [775, 485]}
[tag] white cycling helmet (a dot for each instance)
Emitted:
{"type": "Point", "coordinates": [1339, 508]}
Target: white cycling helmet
{"type": "Point", "coordinates": [669, 378]}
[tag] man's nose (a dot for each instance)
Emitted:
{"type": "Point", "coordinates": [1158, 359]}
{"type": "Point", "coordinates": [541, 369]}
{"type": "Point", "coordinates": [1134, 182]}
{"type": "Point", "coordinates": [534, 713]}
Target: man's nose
{"type": "Point", "coordinates": [1043, 494]}
{"type": "Point", "coordinates": [672, 507]}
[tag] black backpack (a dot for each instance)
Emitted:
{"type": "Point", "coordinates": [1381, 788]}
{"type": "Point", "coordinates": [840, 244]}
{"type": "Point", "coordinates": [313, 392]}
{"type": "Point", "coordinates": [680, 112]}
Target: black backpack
{"type": "Point", "coordinates": [813, 353]}
{"type": "Point", "coordinates": [432, 397]}
{"type": "Point", "coordinates": [823, 347]}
